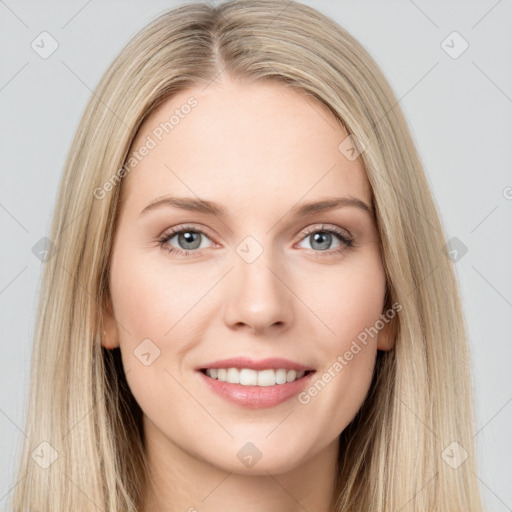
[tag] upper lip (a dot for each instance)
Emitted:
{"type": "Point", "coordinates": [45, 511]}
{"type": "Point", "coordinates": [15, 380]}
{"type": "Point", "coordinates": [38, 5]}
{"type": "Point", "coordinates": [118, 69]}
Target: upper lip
{"type": "Point", "coordinates": [260, 364]}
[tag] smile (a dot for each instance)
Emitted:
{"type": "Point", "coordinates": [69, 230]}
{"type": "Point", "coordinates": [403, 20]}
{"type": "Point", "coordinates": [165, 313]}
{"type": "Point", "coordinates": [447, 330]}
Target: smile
{"type": "Point", "coordinates": [250, 377]}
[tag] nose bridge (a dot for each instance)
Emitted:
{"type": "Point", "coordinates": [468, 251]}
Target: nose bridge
{"type": "Point", "coordinates": [257, 296]}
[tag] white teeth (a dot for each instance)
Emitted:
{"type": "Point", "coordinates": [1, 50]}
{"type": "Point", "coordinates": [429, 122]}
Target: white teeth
{"type": "Point", "coordinates": [248, 377]}
{"type": "Point", "coordinates": [266, 378]}
{"type": "Point", "coordinates": [233, 376]}
{"type": "Point", "coordinates": [281, 376]}
{"type": "Point", "coordinates": [291, 375]}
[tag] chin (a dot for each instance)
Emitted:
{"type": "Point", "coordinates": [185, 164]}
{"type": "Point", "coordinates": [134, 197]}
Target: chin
{"type": "Point", "coordinates": [260, 458]}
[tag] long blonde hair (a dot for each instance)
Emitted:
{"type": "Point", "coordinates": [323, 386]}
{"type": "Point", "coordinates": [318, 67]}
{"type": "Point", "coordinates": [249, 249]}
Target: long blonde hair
{"type": "Point", "coordinates": [393, 454]}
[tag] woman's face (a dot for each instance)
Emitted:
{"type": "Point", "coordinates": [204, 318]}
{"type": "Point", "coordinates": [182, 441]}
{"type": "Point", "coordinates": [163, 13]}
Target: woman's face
{"type": "Point", "coordinates": [257, 276]}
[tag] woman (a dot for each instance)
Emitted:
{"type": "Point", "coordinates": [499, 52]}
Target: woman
{"type": "Point", "coordinates": [249, 305]}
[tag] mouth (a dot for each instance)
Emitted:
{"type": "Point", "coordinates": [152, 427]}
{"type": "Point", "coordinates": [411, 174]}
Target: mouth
{"type": "Point", "coordinates": [250, 377]}
{"type": "Point", "coordinates": [256, 384]}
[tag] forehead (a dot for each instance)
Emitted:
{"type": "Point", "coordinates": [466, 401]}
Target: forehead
{"type": "Point", "coordinates": [246, 142]}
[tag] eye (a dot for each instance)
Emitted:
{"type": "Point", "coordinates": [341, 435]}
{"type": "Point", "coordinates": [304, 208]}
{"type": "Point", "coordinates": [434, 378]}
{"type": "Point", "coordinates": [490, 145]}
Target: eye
{"type": "Point", "coordinates": [322, 239]}
{"type": "Point", "coordinates": [186, 240]}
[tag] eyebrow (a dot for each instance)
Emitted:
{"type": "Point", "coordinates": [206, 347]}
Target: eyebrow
{"type": "Point", "coordinates": [212, 208]}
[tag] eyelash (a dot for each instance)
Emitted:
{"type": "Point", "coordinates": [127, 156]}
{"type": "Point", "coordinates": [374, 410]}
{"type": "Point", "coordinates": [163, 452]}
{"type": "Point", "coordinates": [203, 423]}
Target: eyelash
{"type": "Point", "coordinates": [346, 242]}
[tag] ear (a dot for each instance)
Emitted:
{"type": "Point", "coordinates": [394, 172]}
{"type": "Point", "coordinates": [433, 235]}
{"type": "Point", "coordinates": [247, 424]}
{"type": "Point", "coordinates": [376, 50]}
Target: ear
{"type": "Point", "coordinates": [110, 334]}
{"type": "Point", "coordinates": [387, 335]}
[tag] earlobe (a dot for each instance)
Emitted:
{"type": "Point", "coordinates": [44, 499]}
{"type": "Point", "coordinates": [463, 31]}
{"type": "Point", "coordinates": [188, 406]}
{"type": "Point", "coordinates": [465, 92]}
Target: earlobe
{"type": "Point", "coordinates": [385, 339]}
{"type": "Point", "coordinates": [109, 334]}
{"type": "Point", "coordinates": [387, 335]}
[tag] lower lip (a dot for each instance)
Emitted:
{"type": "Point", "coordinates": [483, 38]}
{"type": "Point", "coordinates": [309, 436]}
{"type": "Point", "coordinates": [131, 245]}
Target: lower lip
{"type": "Point", "coordinates": [257, 397]}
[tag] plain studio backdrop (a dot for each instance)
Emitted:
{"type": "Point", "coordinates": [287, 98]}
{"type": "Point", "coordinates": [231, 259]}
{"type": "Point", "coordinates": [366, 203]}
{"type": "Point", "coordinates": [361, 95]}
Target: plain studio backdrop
{"type": "Point", "coordinates": [449, 65]}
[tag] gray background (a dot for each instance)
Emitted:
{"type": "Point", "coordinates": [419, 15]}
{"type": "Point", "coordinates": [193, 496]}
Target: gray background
{"type": "Point", "coordinates": [459, 111]}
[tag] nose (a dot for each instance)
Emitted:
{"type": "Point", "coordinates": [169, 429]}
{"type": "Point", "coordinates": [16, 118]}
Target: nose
{"type": "Point", "coordinates": [258, 299]}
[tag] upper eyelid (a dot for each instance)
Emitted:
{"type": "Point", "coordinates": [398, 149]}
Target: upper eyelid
{"type": "Point", "coordinates": [171, 232]}
{"type": "Point", "coordinates": [323, 226]}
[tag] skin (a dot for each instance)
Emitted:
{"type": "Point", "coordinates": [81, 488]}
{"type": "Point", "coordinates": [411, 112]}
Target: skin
{"type": "Point", "coordinates": [258, 149]}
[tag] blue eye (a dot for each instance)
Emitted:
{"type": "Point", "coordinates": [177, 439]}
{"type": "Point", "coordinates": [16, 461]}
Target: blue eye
{"type": "Point", "coordinates": [323, 240]}
{"type": "Point", "coordinates": [189, 239]}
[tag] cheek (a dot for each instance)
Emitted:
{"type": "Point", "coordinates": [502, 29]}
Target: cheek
{"type": "Point", "coordinates": [151, 300]}
{"type": "Point", "coordinates": [140, 306]}
{"type": "Point", "coordinates": [155, 327]}
{"type": "Point", "coordinates": [350, 299]}
{"type": "Point", "coordinates": [162, 311]}
{"type": "Point", "coordinates": [351, 307]}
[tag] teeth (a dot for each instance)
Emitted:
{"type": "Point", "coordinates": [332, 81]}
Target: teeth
{"type": "Point", "coordinates": [233, 375]}
{"type": "Point", "coordinates": [266, 378]}
{"type": "Point", "coordinates": [281, 376]}
{"type": "Point", "coordinates": [248, 377]}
